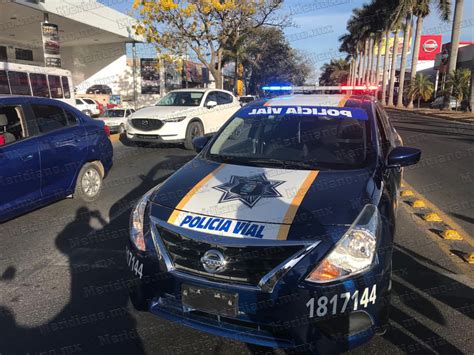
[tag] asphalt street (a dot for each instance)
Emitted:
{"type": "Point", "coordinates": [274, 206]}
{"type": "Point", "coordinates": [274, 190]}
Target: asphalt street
{"type": "Point", "coordinates": [62, 267]}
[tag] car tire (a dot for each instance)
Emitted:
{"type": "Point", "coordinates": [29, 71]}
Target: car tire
{"type": "Point", "coordinates": [195, 129]}
{"type": "Point", "coordinates": [89, 183]}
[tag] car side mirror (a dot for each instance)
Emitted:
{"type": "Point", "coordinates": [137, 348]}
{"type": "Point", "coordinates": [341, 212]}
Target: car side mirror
{"type": "Point", "coordinates": [211, 104]}
{"type": "Point", "coordinates": [403, 156]}
{"type": "Point", "coordinates": [200, 142]}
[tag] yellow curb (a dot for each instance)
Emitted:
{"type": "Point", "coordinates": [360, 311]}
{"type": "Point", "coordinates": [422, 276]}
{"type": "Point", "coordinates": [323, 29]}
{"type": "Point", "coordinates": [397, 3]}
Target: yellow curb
{"type": "Point", "coordinates": [418, 204]}
{"type": "Point", "coordinates": [432, 217]}
{"type": "Point", "coordinates": [402, 185]}
{"type": "Point", "coordinates": [406, 193]}
{"type": "Point", "coordinates": [451, 234]}
{"type": "Point", "coordinates": [114, 137]}
{"type": "Point", "coordinates": [469, 258]}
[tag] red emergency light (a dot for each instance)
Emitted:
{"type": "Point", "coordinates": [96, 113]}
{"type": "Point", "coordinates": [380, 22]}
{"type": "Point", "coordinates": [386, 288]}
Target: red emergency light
{"type": "Point", "coordinates": [359, 87]}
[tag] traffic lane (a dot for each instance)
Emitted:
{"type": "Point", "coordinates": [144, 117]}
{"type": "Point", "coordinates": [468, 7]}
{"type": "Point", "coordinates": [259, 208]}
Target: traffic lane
{"type": "Point", "coordinates": [445, 173]}
{"type": "Point", "coordinates": [73, 295]}
{"type": "Point", "coordinates": [53, 258]}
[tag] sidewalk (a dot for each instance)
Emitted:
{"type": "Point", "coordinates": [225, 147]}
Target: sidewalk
{"type": "Point", "coordinates": [447, 115]}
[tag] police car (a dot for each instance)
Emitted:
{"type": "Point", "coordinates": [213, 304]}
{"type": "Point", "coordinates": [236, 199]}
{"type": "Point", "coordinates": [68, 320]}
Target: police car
{"type": "Point", "coordinates": [280, 232]}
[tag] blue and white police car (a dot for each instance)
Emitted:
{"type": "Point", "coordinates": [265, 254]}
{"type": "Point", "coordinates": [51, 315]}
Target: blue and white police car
{"type": "Point", "coordinates": [280, 232]}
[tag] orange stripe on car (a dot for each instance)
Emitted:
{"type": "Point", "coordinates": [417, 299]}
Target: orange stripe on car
{"type": "Point", "coordinates": [191, 193]}
{"type": "Point", "coordinates": [342, 103]}
{"type": "Point", "coordinates": [295, 204]}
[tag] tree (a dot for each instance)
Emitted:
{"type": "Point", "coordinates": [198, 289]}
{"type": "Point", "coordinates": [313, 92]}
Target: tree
{"type": "Point", "coordinates": [334, 73]}
{"type": "Point", "coordinates": [421, 10]}
{"type": "Point", "coordinates": [420, 88]}
{"type": "Point", "coordinates": [455, 35]}
{"type": "Point", "coordinates": [457, 84]}
{"type": "Point", "coordinates": [270, 58]}
{"type": "Point", "coordinates": [205, 27]}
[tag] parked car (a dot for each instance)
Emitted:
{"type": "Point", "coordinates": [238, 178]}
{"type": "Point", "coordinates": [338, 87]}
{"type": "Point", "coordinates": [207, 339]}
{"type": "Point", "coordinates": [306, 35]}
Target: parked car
{"type": "Point", "coordinates": [88, 106]}
{"type": "Point", "coordinates": [99, 89]}
{"type": "Point", "coordinates": [116, 119]}
{"type": "Point", "coordinates": [438, 103]}
{"type": "Point", "coordinates": [51, 151]}
{"type": "Point", "coordinates": [280, 232]}
{"type": "Point", "coordinates": [182, 115]}
{"type": "Point", "coordinates": [244, 100]}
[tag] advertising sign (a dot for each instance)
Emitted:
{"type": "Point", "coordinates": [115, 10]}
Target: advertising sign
{"type": "Point", "coordinates": [50, 34]}
{"type": "Point", "coordinates": [430, 45]}
{"type": "Point", "coordinates": [150, 74]}
{"type": "Point", "coordinates": [390, 46]}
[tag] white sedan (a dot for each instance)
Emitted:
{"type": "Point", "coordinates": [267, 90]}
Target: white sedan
{"type": "Point", "coordinates": [182, 115]}
{"type": "Point", "coordinates": [116, 119]}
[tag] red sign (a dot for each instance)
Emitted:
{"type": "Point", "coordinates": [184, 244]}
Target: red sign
{"type": "Point", "coordinates": [430, 45]}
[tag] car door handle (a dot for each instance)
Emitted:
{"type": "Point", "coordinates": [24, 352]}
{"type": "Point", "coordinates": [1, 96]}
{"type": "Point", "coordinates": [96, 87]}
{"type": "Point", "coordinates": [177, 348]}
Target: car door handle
{"type": "Point", "coordinates": [27, 157]}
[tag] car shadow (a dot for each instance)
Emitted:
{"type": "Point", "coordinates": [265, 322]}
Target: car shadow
{"type": "Point", "coordinates": [98, 317]}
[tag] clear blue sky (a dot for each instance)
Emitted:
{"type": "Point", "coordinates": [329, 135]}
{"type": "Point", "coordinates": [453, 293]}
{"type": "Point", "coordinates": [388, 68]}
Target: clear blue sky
{"type": "Point", "coordinates": [319, 23]}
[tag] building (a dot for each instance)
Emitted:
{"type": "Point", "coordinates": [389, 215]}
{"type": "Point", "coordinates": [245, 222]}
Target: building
{"type": "Point", "coordinates": [92, 42]}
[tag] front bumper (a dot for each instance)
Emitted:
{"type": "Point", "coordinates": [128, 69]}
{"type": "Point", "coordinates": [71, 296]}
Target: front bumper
{"type": "Point", "coordinates": [289, 316]}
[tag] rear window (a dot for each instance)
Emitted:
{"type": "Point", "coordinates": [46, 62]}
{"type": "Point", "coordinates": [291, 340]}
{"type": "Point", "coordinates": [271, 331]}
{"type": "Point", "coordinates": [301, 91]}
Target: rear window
{"type": "Point", "coordinates": [39, 85]}
{"type": "Point", "coordinates": [55, 86]}
{"type": "Point", "coordinates": [19, 83]}
{"type": "Point", "coordinates": [4, 88]}
{"type": "Point", "coordinates": [49, 117]}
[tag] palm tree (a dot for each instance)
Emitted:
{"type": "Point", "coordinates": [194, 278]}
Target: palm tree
{"type": "Point", "coordinates": [455, 34]}
{"type": "Point", "coordinates": [403, 62]}
{"type": "Point", "coordinates": [334, 73]}
{"type": "Point", "coordinates": [420, 88]}
{"type": "Point", "coordinates": [421, 10]}
{"type": "Point", "coordinates": [457, 84]}
{"type": "Point", "coordinates": [394, 67]}
{"type": "Point", "coordinates": [386, 62]}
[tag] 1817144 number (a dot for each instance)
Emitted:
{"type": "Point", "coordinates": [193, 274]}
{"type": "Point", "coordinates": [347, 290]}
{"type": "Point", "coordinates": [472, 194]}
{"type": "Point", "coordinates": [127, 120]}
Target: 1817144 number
{"type": "Point", "coordinates": [338, 303]}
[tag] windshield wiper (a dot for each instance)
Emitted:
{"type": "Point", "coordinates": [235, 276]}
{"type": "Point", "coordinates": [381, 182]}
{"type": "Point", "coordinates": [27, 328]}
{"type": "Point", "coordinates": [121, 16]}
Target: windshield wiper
{"type": "Point", "coordinates": [283, 163]}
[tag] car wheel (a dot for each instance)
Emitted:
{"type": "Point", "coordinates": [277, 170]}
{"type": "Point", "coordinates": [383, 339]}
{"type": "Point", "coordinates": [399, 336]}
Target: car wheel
{"type": "Point", "coordinates": [89, 182]}
{"type": "Point", "coordinates": [195, 129]}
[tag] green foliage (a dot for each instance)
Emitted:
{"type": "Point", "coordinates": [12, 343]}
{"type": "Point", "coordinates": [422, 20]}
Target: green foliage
{"type": "Point", "coordinates": [270, 58]}
{"type": "Point", "coordinates": [458, 83]}
{"type": "Point", "coordinates": [334, 73]}
{"type": "Point", "coordinates": [420, 88]}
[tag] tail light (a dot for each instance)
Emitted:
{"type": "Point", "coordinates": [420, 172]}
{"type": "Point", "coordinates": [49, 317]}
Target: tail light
{"type": "Point", "coordinates": [107, 130]}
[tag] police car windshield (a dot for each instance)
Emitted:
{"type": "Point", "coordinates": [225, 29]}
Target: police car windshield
{"type": "Point", "coordinates": [294, 141]}
{"type": "Point", "coordinates": [181, 98]}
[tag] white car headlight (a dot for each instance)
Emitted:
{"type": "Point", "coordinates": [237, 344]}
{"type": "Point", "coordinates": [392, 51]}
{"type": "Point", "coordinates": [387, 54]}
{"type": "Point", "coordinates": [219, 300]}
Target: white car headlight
{"type": "Point", "coordinates": [354, 253]}
{"type": "Point", "coordinates": [137, 220]}
{"type": "Point", "coordinates": [174, 119]}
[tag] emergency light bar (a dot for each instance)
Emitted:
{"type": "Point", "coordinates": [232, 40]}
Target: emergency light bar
{"type": "Point", "coordinates": [277, 88]}
{"type": "Point", "coordinates": [337, 88]}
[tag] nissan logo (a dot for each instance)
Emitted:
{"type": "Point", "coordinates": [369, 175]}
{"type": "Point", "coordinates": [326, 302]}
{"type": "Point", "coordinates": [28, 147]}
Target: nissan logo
{"type": "Point", "coordinates": [430, 45]}
{"type": "Point", "coordinates": [213, 261]}
{"type": "Point", "coordinates": [145, 122]}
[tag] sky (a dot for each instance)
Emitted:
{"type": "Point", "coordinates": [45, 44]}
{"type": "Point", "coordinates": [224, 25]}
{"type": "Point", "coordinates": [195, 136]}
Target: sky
{"type": "Point", "coordinates": [317, 25]}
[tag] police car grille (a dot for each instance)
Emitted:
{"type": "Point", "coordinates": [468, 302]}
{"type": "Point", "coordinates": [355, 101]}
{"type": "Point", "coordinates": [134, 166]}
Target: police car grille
{"type": "Point", "coordinates": [245, 265]}
{"type": "Point", "coordinates": [146, 124]}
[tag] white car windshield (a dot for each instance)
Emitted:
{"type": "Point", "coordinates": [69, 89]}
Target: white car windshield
{"type": "Point", "coordinates": [181, 98]}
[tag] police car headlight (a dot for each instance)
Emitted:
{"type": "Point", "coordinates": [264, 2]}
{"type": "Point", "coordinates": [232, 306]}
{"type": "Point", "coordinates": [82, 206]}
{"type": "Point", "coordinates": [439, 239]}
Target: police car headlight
{"type": "Point", "coordinates": [354, 253]}
{"type": "Point", "coordinates": [137, 221]}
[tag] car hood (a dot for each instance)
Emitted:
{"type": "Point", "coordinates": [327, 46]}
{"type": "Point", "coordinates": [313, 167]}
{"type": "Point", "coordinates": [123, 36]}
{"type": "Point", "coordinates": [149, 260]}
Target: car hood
{"type": "Point", "coordinates": [163, 111]}
{"type": "Point", "coordinates": [269, 203]}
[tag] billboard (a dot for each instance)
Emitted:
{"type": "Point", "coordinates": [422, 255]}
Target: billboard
{"type": "Point", "coordinates": [50, 35]}
{"type": "Point", "coordinates": [390, 46]}
{"type": "Point", "coordinates": [150, 73]}
{"type": "Point", "coordinates": [430, 45]}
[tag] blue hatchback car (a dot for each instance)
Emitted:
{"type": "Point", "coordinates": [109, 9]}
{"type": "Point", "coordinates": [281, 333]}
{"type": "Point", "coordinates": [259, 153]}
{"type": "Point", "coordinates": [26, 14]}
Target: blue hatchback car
{"type": "Point", "coordinates": [48, 151]}
{"type": "Point", "coordinates": [280, 232]}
